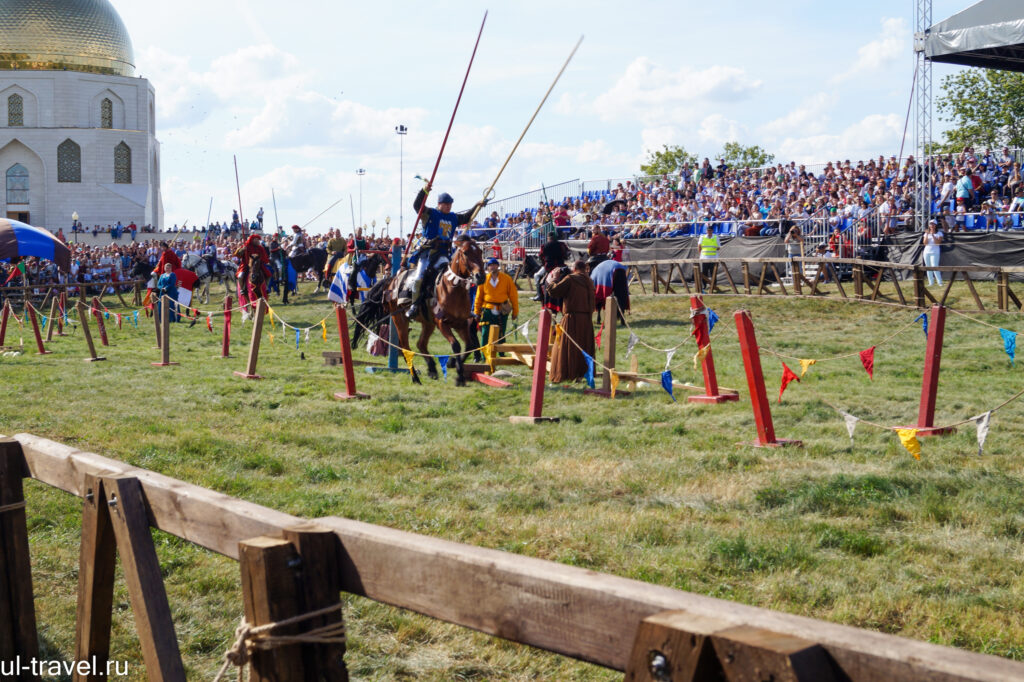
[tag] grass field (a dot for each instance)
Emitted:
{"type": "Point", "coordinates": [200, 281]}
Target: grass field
{"type": "Point", "coordinates": [643, 487]}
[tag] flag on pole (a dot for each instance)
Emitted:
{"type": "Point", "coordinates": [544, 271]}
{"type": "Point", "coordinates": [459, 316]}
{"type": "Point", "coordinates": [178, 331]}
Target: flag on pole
{"type": "Point", "coordinates": [339, 289]}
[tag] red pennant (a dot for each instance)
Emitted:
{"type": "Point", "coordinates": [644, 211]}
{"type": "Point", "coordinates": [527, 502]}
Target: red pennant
{"type": "Point", "coordinates": [867, 358]}
{"type": "Point", "coordinates": [209, 324]}
{"type": "Point", "coordinates": [788, 376]}
{"type": "Point", "coordinates": [119, 320]}
{"type": "Point", "coordinates": [597, 339]}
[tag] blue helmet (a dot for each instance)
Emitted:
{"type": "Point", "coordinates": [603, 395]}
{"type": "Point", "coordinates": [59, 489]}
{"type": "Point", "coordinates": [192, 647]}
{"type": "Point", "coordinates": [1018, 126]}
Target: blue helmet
{"type": "Point", "coordinates": [445, 198]}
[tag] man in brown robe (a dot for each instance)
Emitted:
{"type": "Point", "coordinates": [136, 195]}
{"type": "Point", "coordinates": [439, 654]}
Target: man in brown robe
{"type": "Point", "coordinates": [577, 293]}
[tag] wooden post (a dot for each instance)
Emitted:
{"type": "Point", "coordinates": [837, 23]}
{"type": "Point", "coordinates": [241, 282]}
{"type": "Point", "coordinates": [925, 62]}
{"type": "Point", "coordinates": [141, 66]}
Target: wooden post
{"type": "Point", "coordinates": [930, 378]}
{"type": "Point", "coordinates": [63, 311]}
{"type": "Point", "coordinates": [254, 345]}
{"type": "Point", "coordinates": [165, 333]}
{"type": "Point", "coordinates": [35, 330]}
{"type": "Point", "coordinates": [540, 373]}
{"type": "Point", "coordinates": [346, 358]}
{"type": "Point", "coordinates": [858, 280]}
{"type": "Point", "coordinates": [5, 315]}
{"type": "Point", "coordinates": [97, 311]}
{"type": "Point", "coordinates": [53, 320]}
{"type": "Point", "coordinates": [225, 350]}
{"type": "Point", "coordinates": [492, 341]}
{"type": "Point", "coordinates": [797, 268]}
{"type": "Point", "coordinates": [83, 318]}
{"type": "Point", "coordinates": [156, 321]}
{"type": "Point", "coordinates": [608, 340]}
{"type": "Point", "coordinates": [699, 314]}
{"type": "Point", "coordinates": [919, 287]}
{"type": "Point", "coordinates": [18, 635]}
{"type": "Point", "coordinates": [130, 521]}
{"type": "Point", "coordinates": [137, 294]}
{"type": "Point", "coordinates": [95, 581]}
{"type": "Point", "coordinates": [1003, 287]}
{"type": "Point", "coordinates": [755, 382]}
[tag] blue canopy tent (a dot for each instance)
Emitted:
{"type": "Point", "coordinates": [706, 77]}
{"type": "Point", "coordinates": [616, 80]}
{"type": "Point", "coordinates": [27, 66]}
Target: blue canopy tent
{"type": "Point", "coordinates": [21, 240]}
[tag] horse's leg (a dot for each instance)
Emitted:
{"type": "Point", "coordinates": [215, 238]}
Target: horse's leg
{"type": "Point", "coordinates": [447, 333]}
{"type": "Point", "coordinates": [423, 346]}
{"type": "Point", "coordinates": [402, 328]}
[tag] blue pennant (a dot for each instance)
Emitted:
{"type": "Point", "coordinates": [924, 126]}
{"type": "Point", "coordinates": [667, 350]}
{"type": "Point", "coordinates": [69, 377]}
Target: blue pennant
{"type": "Point", "coordinates": [44, 321]}
{"type": "Point", "coordinates": [666, 383]}
{"type": "Point", "coordinates": [589, 376]}
{"type": "Point", "coordinates": [106, 314]}
{"type": "Point", "coordinates": [924, 322]}
{"type": "Point", "coordinates": [712, 320]}
{"type": "Point", "coordinates": [1009, 343]}
{"type": "Point", "coordinates": [134, 321]}
{"type": "Point", "coordinates": [443, 359]}
{"type": "Point", "coordinates": [296, 339]}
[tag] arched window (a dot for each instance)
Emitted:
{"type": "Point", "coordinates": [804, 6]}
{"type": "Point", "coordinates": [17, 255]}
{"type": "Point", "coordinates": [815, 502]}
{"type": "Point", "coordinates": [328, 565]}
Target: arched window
{"type": "Point", "coordinates": [17, 184]}
{"type": "Point", "coordinates": [123, 164]}
{"type": "Point", "coordinates": [106, 113]}
{"type": "Point", "coordinates": [15, 110]}
{"type": "Point", "coordinates": [69, 162]}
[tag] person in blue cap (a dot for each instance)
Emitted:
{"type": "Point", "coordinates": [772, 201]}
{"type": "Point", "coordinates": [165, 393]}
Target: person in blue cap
{"type": "Point", "coordinates": [439, 226]}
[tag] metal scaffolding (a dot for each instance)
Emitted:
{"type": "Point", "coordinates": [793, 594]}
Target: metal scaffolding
{"type": "Point", "coordinates": [923, 120]}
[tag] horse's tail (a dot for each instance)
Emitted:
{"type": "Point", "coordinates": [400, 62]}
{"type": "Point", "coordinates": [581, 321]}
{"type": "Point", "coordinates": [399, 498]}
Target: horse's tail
{"type": "Point", "coordinates": [372, 311]}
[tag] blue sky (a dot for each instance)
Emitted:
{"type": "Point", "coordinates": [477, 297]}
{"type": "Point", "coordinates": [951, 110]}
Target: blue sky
{"type": "Point", "coordinates": [305, 93]}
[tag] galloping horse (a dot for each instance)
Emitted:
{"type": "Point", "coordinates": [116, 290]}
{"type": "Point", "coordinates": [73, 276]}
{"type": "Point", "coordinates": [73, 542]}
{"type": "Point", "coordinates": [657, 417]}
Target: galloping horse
{"type": "Point", "coordinates": [201, 267]}
{"type": "Point", "coordinates": [314, 258]}
{"type": "Point", "coordinates": [450, 311]}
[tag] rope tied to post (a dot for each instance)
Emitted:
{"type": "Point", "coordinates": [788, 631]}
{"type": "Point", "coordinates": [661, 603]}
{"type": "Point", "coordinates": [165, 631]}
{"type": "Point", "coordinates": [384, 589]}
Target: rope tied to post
{"type": "Point", "coordinates": [250, 638]}
{"type": "Point", "coordinates": [14, 506]}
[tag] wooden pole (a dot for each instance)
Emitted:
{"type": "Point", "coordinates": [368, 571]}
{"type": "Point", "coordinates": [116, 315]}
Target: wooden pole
{"type": "Point", "coordinates": [540, 373]}
{"type": "Point", "coordinates": [53, 319]}
{"type": "Point", "coordinates": [156, 321]}
{"type": "Point", "coordinates": [35, 330]}
{"type": "Point", "coordinates": [930, 378]}
{"type": "Point", "coordinates": [83, 318]}
{"type": "Point", "coordinates": [611, 321]}
{"type": "Point", "coordinates": [97, 311]}
{"type": "Point", "coordinates": [346, 358]}
{"type": "Point", "coordinates": [165, 333]}
{"type": "Point", "coordinates": [97, 558]}
{"type": "Point", "coordinates": [254, 345]}
{"type": "Point", "coordinates": [18, 635]}
{"type": "Point", "coordinates": [5, 315]}
{"type": "Point", "coordinates": [63, 312]}
{"type": "Point", "coordinates": [699, 315]}
{"type": "Point", "coordinates": [225, 348]}
{"type": "Point", "coordinates": [755, 382]}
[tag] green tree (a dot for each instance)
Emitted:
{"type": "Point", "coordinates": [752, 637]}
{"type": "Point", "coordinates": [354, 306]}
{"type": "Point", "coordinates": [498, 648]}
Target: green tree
{"type": "Point", "coordinates": [738, 156]}
{"type": "Point", "coordinates": [667, 160]}
{"type": "Point", "coordinates": [986, 108]}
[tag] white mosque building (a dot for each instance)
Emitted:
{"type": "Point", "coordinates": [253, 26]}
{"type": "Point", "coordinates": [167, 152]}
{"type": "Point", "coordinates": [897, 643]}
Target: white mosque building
{"type": "Point", "coordinates": [77, 128]}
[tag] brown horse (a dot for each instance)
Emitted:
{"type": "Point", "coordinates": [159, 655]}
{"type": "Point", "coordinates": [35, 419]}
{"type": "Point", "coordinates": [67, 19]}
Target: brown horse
{"type": "Point", "coordinates": [451, 313]}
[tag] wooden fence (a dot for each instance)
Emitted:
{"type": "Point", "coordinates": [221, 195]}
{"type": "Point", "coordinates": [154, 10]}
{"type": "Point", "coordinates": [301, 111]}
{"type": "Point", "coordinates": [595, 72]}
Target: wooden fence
{"type": "Point", "coordinates": [43, 292]}
{"type": "Point", "coordinates": [293, 568]}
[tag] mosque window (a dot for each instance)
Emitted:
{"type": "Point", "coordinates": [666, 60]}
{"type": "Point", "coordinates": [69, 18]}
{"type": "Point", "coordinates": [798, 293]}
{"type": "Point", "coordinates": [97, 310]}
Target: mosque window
{"type": "Point", "coordinates": [69, 162]}
{"type": "Point", "coordinates": [106, 113]}
{"type": "Point", "coordinates": [123, 164]}
{"type": "Point", "coordinates": [15, 110]}
{"type": "Point", "coordinates": [17, 184]}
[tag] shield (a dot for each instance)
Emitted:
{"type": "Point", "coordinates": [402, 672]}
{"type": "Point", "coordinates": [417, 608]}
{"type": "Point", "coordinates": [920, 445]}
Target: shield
{"type": "Point", "coordinates": [21, 240]}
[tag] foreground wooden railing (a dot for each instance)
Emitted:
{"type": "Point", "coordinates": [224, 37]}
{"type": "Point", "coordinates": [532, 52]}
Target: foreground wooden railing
{"type": "Point", "coordinates": [291, 567]}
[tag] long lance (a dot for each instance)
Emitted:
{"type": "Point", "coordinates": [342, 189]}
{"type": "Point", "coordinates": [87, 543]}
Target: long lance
{"type": "Point", "coordinates": [444, 142]}
{"type": "Point", "coordinates": [487, 194]}
{"type": "Point", "coordinates": [322, 212]}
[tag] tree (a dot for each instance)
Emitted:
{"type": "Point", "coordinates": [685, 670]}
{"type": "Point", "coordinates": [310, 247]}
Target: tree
{"type": "Point", "coordinates": [986, 108]}
{"type": "Point", "coordinates": [738, 156]}
{"type": "Point", "coordinates": [668, 160]}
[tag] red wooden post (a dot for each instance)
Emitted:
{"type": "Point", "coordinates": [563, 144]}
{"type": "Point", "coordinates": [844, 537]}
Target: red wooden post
{"type": "Point", "coordinates": [755, 382]}
{"type": "Point", "coordinates": [540, 374]}
{"type": "Point", "coordinates": [346, 358]}
{"type": "Point", "coordinates": [97, 312]}
{"type": "Point", "coordinates": [930, 381]}
{"type": "Point", "coordinates": [4, 316]}
{"type": "Point", "coordinates": [35, 330]}
{"type": "Point", "coordinates": [224, 349]}
{"type": "Point", "coordinates": [700, 330]}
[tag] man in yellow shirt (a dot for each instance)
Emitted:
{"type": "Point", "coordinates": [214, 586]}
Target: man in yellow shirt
{"type": "Point", "coordinates": [496, 298]}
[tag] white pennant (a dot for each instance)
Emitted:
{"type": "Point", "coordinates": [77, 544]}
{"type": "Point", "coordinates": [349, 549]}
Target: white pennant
{"type": "Point", "coordinates": [851, 423]}
{"type": "Point", "coordinates": [526, 331]}
{"type": "Point", "coordinates": [633, 339]}
{"type": "Point", "coordinates": [307, 336]}
{"type": "Point", "coordinates": [982, 422]}
{"type": "Point", "coordinates": [668, 359]}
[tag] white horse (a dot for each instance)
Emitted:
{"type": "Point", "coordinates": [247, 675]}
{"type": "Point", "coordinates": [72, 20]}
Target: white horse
{"type": "Point", "coordinates": [200, 266]}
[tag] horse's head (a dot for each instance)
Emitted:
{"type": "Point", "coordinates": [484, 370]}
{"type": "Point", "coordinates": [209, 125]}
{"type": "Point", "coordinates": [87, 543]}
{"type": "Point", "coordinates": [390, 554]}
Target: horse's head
{"type": "Point", "coordinates": [468, 260]}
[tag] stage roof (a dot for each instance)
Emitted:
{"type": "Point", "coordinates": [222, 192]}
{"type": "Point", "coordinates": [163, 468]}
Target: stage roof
{"type": "Point", "coordinates": [989, 34]}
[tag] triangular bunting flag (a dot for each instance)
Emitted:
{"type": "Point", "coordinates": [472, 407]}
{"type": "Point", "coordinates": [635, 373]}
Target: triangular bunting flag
{"type": "Point", "coordinates": [851, 423]}
{"type": "Point", "coordinates": [134, 321]}
{"type": "Point", "coordinates": [788, 377]}
{"type": "Point", "coordinates": [119, 320]}
{"type": "Point", "coordinates": [323, 327]}
{"type": "Point", "coordinates": [805, 365]}
{"type": "Point", "coordinates": [270, 311]}
{"type": "Point", "coordinates": [209, 323]}
{"type": "Point", "coordinates": [982, 422]}
{"type": "Point", "coordinates": [633, 339]}
{"type": "Point", "coordinates": [908, 437]}
{"type": "Point", "coordinates": [613, 381]}
{"type": "Point", "coordinates": [297, 335]}
{"type": "Point", "coordinates": [712, 320]}
{"type": "Point", "coordinates": [443, 359]}
{"type": "Point", "coordinates": [867, 358]}
{"type": "Point", "coordinates": [1009, 343]}
{"type": "Point", "coordinates": [271, 339]}
{"type": "Point", "coordinates": [526, 331]}
{"type": "Point", "coordinates": [924, 322]}
{"type": "Point", "coordinates": [589, 376]}
{"type": "Point", "coordinates": [307, 335]}
{"type": "Point", "coordinates": [666, 383]}
{"type": "Point", "coordinates": [699, 356]}
{"type": "Point", "coordinates": [668, 359]}
{"type": "Point", "coordinates": [409, 355]}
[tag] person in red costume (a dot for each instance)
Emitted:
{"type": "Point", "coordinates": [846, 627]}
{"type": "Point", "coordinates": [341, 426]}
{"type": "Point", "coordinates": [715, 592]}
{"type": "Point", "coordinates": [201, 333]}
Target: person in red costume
{"type": "Point", "coordinates": [253, 252]}
{"type": "Point", "coordinates": [168, 256]}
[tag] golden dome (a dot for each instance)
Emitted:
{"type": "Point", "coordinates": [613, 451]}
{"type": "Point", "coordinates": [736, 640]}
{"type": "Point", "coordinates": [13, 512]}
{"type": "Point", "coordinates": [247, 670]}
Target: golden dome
{"type": "Point", "coordinates": [71, 35]}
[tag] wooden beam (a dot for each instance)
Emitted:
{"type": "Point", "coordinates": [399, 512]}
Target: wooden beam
{"type": "Point", "coordinates": [974, 292]}
{"type": "Point", "coordinates": [18, 635]}
{"type": "Point", "coordinates": [560, 608]}
{"type": "Point", "coordinates": [97, 557]}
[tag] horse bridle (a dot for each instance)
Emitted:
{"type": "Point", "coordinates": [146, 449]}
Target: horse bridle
{"type": "Point", "coordinates": [455, 279]}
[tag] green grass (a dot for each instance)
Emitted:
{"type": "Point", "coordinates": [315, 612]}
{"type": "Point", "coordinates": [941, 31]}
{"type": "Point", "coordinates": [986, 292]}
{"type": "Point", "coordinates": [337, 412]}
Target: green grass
{"type": "Point", "coordinates": [643, 487]}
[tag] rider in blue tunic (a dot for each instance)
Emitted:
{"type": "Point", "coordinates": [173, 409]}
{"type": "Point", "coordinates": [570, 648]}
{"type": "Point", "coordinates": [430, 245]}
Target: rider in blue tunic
{"type": "Point", "coordinates": [439, 225]}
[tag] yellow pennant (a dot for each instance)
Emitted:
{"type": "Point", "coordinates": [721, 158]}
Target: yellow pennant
{"type": "Point", "coordinates": [323, 326]}
{"type": "Point", "coordinates": [558, 333]}
{"type": "Point", "coordinates": [699, 356]}
{"type": "Point", "coordinates": [805, 365]}
{"type": "Point", "coordinates": [271, 339]}
{"type": "Point", "coordinates": [270, 311]}
{"type": "Point", "coordinates": [409, 355]}
{"type": "Point", "coordinates": [908, 437]}
{"type": "Point", "coordinates": [613, 380]}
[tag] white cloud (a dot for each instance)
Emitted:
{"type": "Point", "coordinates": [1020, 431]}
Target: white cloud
{"type": "Point", "coordinates": [717, 129]}
{"type": "Point", "coordinates": [655, 95]}
{"type": "Point", "coordinates": [874, 134]}
{"type": "Point", "coordinates": [810, 117]}
{"type": "Point", "coordinates": [892, 44]}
